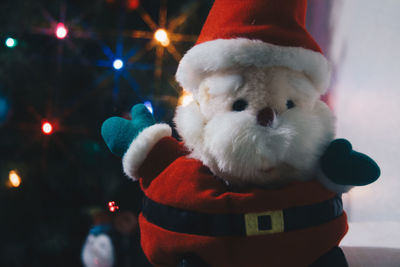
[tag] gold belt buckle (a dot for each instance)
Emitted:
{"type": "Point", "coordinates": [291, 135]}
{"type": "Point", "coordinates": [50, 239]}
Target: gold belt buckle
{"type": "Point", "coordinates": [262, 223]}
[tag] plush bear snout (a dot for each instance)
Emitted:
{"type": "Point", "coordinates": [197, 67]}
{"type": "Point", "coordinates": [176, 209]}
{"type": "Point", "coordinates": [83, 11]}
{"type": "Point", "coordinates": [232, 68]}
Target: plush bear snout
{"type": "Point", "coordinates": [265, 116]}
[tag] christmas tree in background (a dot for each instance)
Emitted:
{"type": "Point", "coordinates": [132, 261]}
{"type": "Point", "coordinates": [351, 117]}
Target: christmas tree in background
{"type": "Point", "coordinates": [66, 67]}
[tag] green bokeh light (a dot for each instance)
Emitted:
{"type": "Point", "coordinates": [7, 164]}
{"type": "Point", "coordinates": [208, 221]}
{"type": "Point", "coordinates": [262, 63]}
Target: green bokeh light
{"type": "Point", "coordinates": [11, 42]}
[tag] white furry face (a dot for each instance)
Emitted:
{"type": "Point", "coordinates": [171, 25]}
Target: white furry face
{"type": "Point", "coordinates": [257, 126]}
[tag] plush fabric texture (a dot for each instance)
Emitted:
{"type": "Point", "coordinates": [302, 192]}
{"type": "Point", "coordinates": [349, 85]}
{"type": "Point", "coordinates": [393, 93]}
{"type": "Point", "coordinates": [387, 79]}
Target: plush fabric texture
{"type": "Point", "coordinates": [254, 32]}
{"type": "Point", "coordinates": [334, 258]}
{"type": "Point", "coordinates": [344, 166]}
{"type": "Point", "coordinates": [277, 22]}
{"type": "Point", "coordinates": [223, 54]}
{"type": "Point", "coordinates": [141, 146]}
{"type": "Point", "coordinates": [118, 133]}
{"type": "Point", "coordinates": [170, 178]}
{"type": "Point", "coordinates": [330, 185]}
{"type": "Point", "coordinates": [236, 147]}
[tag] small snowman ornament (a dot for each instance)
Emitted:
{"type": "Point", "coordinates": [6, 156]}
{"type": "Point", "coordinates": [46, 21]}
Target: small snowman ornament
{"type": "Point", "coordinates": [98, 249]}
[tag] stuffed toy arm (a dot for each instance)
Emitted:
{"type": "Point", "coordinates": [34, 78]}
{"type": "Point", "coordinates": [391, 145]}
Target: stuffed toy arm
{"type": "Point", "coordinates": [344, 167]}
{"type": "Point", "coordinates": [118, 133]}
{"type": "Point", "coordinates": [134, 139]}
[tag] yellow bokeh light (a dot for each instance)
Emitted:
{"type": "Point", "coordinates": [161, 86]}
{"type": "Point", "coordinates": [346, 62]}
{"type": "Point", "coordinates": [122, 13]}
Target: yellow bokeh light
{"type": "Point", "coordinates": [185, 99]}
{"type": "Point", "coordinates": [14, 179]}
{"type": "Point", "coordinates": [161, 36]}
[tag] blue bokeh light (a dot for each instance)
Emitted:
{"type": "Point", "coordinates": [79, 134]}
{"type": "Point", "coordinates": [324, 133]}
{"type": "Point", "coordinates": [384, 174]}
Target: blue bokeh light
{"type": "Point", "coordinates": [149, 106]}
{"type": "Point", "coordinates": [118, 64]}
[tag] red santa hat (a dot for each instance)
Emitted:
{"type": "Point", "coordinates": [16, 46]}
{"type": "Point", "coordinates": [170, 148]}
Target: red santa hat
{"type": "Point", "coordinates": [261, 33]}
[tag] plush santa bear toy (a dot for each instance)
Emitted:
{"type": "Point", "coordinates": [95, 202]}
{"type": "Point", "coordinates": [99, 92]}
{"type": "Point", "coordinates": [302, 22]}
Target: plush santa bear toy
{"type": "Point", "coordinates": [257, 180]}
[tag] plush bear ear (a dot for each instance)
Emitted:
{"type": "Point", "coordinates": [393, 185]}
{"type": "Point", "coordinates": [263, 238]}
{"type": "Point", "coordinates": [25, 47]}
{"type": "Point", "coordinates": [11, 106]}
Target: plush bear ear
{"type": "Point", "coordinates": [221, 83]}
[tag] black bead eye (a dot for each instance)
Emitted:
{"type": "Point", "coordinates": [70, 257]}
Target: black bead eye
{"type": "Point", "coordinates": [290, 104]}
{"type": "Point", "coordinates": [239, 105]}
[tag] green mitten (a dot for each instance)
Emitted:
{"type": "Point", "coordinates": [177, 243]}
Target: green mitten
{"type": "Point", "coordinates": [118, 133]}
{"type": "Point", "coordinates": [344, 166]}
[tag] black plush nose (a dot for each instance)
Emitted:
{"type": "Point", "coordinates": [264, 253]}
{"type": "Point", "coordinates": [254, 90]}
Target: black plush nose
{"type": "Point", "coordinates": [265, 116]}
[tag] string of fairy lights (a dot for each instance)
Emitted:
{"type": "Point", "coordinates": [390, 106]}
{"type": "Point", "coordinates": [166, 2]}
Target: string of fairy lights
{"type": "Point", "coordinates": [162, 36]}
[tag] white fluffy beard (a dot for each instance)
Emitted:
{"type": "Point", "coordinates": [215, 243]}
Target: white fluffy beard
{"type": "Point", "coordinates": [241, 152]}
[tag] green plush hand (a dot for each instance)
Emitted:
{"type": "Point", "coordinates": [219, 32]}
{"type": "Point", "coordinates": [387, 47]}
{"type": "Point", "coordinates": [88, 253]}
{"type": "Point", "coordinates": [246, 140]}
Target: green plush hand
{"type": "Point", "coordinates": [118, 133]}
{"type": "Point", "coordinates": [344, 166]}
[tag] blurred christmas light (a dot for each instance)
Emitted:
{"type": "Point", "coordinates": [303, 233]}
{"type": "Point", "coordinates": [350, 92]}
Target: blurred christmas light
{"type": "Point", "coordinates": [112, 206]}
{"type": "Point", "coordinates": [161, 36]}
{"type": "Point", "coordinates": [133, 4]}
{"type": "Point", "coordinates": [11, 42]}
{"type": "Point", "coordinates": [164, 33]}
{"type": "Point", "coordinates": [47, 128]}
{"type": "Point", "coordinates": [118, 64]}
{"type": "Point", "coordinates": [149, 106]}
{"type": "Point", "coordinates": [3, 109]}
{"type": "Point", "coordinates": [185, 99]}
{"type": "Point", "coordinates": [121, 62]}
{"type": "Point", "coordinates": [61, 32]}
{"type": "Point", "coordinates": [14, 178]}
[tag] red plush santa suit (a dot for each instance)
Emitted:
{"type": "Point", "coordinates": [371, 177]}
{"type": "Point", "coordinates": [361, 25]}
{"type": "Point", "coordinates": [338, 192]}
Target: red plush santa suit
{"type": "Point", "coordinates": [170, 178]}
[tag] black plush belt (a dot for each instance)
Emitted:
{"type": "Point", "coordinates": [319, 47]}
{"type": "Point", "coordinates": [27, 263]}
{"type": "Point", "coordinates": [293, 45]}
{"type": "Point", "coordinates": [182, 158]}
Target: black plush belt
{"type": "Point", "coordinates": [268, 222]}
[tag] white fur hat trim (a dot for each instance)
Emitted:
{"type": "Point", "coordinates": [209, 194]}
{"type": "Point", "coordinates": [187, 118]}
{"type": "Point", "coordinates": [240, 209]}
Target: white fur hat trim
{"type": "Point", "coordinates": [222, 54]}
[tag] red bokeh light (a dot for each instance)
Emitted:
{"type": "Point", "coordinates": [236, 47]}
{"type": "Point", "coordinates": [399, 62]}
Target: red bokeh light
{"type": "Point", "coordinates": [47, 128]}
{"type": "Point", "coordinates": [132, 4]}
{"type": "Point", "coordinates": [112, 206]}
{"type": "Point", "coordinates": [61, 31]}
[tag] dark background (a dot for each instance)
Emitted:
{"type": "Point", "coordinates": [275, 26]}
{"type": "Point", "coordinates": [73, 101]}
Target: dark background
{"type": "Point", "coordinates": [67, 174]}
